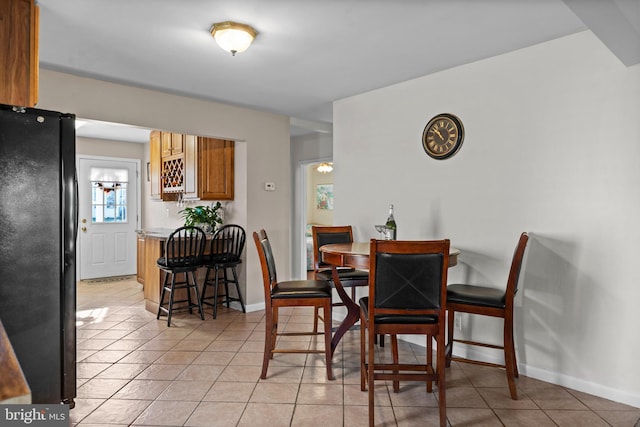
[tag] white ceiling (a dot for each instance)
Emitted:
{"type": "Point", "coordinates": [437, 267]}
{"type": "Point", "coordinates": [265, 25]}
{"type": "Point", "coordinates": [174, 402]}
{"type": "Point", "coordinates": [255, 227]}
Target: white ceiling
{"type": "Point", "coordinates": [308, 53]}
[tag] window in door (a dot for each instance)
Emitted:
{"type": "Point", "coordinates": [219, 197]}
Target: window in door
{"type": "Point", "coordinates": [109, 195]}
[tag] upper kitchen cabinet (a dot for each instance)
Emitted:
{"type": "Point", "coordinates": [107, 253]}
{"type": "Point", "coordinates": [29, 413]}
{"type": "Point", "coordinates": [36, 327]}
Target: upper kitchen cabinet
{"type": "Point", "coordinates": [172, 144]}
{"type": "Point", "coordinates": [155, 161]}
{"type": "Point", "coordinates": [216, 169]}
{"type": "Point", "coordinates": [195, 168]}
{"type": "Point", "coordinates": [19, 52]}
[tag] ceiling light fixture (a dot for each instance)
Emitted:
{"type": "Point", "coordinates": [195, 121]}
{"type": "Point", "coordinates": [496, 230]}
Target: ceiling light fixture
{"type": "Point", "coordinates": [325, 167]}
{"type": "Point", "coordinates": [232, 36]}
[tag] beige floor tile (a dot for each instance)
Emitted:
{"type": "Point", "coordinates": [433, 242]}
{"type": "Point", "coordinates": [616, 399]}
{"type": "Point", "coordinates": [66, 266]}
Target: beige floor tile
{"type": "Point", "coordinates": [524, 418]}
{"type": "Point", "coordinates": [274, 393]}
{"type": "Point", "coordinates": [415, 394]}
{"type": "Point", "coordinates": [106, 356]}
{"type": "Point", "coordinates": [94, 344]}
{"type": "Point", "coordinates": [226, 345]}
{"type": "Point", "coordinates": [414, 415]}
{"type": "Point", "coordinates": [177, 357]}
{"type": "Point", "coordinates": [476, 417]}
{"type": "Point", "coordinates": [161, 372]}
{"type": "Point", "coordinates": [123, 370]}
{"type": "Point", "coordinates": [142, 389]}
{"type": "Point", "coordinates": [576, 418]}
{"type": "Point", "coordinates": [266, 415]}
{"type": "Point", "coordinates": [354, 396]}
{"type": "Point", "coordinates": [317, 415]}
{"type": "Point", "coordinates": [142, 356]}
{"type": "Point", "coordinates": [116, 411]}
{"type": "Point", "coordinates": [90, 370]}
{"type": "Point", "coordinates": [83, 408]}
{"type": "Point", "coordinates": [321, 394]}
{"type": "Point", "coordinates": [191, 345]}
{"type": "Point", "coordinates": [230, 392]}
{"type": "Point", "coordinates": [100, 388]}
{"type": "Point", "coordinates": [621, 418]}
{"type": "Point", "coordinates": [464, 397]}
{"type": "Point", "coordinates": [555, 398]}
{"type": "Point", "coordinates": [200, 372]}
{"type": "Point", "coordinates": [358, 416]}
{"type": "Point", "coordinates": [112, 334]}
{"type": "Point", "coordinates": [126, 344]}
{"type": "Point", "coordinates": [186, 390]}
{"type": "Point", "coordinates": [247, 359]}
{"type": "Point", "coordinates": [240, 373]}
{"type": "Point", "coordinates": [216, 414]}
{"type": "Point", "coordinates": [501, 398]}
{"type": "Point", "coordinates": [222, 358]}
{"type": "Point", "coordinates": [284, 374]}
{"type": "Point", "coordinates": [166, 413]}
{"type": "Point", "coordinates": [159, 344]}
{"type": "Point", "coordinates": [599, 403]}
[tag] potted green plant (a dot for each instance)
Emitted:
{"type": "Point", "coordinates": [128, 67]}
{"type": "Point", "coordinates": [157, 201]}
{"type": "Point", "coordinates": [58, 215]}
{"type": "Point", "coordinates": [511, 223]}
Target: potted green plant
{"type": "Point", "coordinates": [205, 217]}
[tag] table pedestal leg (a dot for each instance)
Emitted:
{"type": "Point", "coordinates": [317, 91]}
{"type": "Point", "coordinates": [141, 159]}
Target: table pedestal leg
{"type": "Point", "coordinates": [353, 311]}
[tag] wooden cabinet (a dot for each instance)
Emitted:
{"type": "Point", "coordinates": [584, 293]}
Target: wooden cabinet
{"type": "Point", "coordinates": [141, 259]}
{"type": "Point", "coordinates": [198, 168]}
{"type": "Point", "coordinates": [155, 160]}
{"type": "Point", "coordinates": [172, 144]}
{"type": "Point", "coordinates": [19, 52]}
{"type": "Point", "coordinates": [216, 176]}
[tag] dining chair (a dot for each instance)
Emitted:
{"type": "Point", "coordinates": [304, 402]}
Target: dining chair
{"type": "Point", "coordinates": [489, 301]}
{"type": "Point", "coordinates": [182, 255]}
{"type": "Point", "coordinates": [407, 295]}
{"type": "Point", "coordinates": [349, 277]}
{"type": "Point", "coordinates": [292, 293]}
{"type": "Point", "coordinates": [225, 250]}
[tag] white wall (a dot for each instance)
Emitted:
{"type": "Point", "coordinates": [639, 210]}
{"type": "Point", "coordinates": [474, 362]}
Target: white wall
{"type": "Point", "coordinates": [263, 145]}
{"type": "Point", "coordinates": [552, 147]}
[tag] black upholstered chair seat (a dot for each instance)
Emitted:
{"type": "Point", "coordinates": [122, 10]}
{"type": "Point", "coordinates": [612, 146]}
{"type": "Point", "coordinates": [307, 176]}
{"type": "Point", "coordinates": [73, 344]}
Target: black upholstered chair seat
{"type": "Point", "coordinates": [482, 296]}
{"type": "Point", "coordinates": [186, 263]}
{"type": "Point", "coordinates": [404, 319]}
{"type": "Point", "coordinates": [301, 288]}
{"type": "Point", "coordinates": [348, 277]}
{"type": "Point", "coordinates": [227, 259]}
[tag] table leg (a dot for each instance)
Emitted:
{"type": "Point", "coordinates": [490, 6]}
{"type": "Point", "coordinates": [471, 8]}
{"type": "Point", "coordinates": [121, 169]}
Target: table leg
{"type": "Point", "coordinates": [353, 311]}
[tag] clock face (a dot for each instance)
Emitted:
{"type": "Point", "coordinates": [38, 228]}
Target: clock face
{"type": "Point", "coordinates": [443, 136]}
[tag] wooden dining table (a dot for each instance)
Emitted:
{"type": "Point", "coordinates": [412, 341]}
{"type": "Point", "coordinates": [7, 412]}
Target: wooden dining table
{"type": "Point", "coordinates": [355, 255]}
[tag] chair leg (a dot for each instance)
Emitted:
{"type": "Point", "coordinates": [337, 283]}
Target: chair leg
{"type": "Point", "coordinates": [327, 337]}
{"type": "Point", "coordinates": [450, 317]}
{"type": "Point", "coordinates": [225, 280]}
{"type": "Point", "coordinates": [363, 352]}
{"type": "Point", "coordinates": [442, 398]}
{"type": "Point", "coordinates": [509, 357]}
{"type": "Point", "coordinates": [315, 319]}
{"type": "Point", "coordinates": [235, 278]}
{"type": "Point", "coordinates": [164, 286]}
{"type": "Point", "coordinates": [216, 283]}
{"type": "Point", "coordinates": [268, 345]}
{"type": "Point", "coordinates": [430, 360]}
{"type": "Point", "coordinates": [396, 360]}
{"type": "Point", "coordinates": [186, 282]}
{"type": "Point", "coordinates": [197, 294]}
{"type": "Point", "coordinates": [370, 376]}
{"type": "Point", "coordinates": [171, 294]}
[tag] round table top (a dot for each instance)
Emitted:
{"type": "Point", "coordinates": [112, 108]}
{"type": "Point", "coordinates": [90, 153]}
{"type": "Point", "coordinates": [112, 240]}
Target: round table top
{"type": "Point", "coordinates": [361, 248]}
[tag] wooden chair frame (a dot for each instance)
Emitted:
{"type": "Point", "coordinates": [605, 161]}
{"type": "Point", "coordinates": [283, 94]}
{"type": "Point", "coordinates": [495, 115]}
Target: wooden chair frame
{"type": "Point", "coordinates": [302, 294]}
{"type": "Point", "coordinates": [318, 266]}
{"type": "Point", "coordinates": [369, 327]}
{"type": "Point", "coordinates": [505, 312]}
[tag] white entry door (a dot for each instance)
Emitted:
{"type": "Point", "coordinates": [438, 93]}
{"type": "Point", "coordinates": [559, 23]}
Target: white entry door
{"type": "Point", "coordinates": [108, 216]}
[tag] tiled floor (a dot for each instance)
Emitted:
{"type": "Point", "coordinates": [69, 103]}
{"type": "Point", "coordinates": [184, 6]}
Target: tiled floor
{"type": "Point", "coordinates": [133, 370]}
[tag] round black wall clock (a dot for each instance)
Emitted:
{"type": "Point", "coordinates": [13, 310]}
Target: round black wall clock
{"type": "Point", "coordinates": [443, 136]}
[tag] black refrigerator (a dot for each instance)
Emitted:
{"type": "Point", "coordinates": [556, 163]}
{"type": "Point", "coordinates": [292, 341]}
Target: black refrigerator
{"type": "Point", "coordinates": [38, 222]}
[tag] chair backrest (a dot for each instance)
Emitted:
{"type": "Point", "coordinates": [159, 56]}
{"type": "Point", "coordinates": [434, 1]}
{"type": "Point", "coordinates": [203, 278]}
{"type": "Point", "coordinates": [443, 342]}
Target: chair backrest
{"type": "Point", "coordinates": [408, 277]}
{"type": "Point", "coordinates": [227, 244]}
{"type": "Point", "coordinates": [267, 262]}
{"type": "Point", "coordinates": [516, 266]}
{"type": "Point", "coordinates": [324, 235]}
{"type": "Point", "coordinates": [184, 247]}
